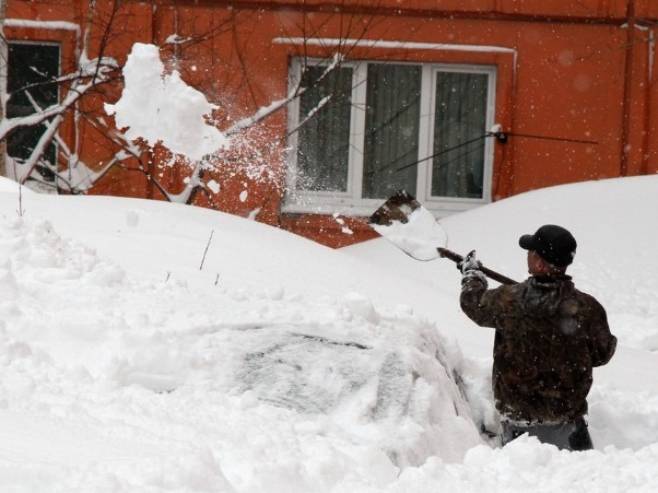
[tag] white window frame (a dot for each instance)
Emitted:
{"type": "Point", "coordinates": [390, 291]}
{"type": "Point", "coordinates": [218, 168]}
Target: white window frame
{"type": "Point", "coordinates": [350, 202]}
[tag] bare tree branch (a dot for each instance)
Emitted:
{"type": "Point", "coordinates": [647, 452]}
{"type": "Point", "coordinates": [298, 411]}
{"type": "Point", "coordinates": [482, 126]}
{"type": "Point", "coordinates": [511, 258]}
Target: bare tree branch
{"type": "Point", "coordinates": [275, 106]}
{"type": "Point", "coordinates": [91, 75]}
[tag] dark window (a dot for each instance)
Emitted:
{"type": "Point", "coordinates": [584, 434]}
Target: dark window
{"type": "Point", "coordinates": [460, 117]}
{"type": "Point", "coordinates": [323, 150]}
{"type": "Point", "coordinates": [392, 123]}
{"type": "Point", "coordinates": [31, 69]}
{"type": "Point", "coordinates": [388, 131]}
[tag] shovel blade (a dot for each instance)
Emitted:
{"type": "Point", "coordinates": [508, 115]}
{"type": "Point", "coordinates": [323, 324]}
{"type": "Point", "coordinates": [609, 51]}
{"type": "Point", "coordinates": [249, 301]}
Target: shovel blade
{"type": "Point", "coordinates": [403, 221]}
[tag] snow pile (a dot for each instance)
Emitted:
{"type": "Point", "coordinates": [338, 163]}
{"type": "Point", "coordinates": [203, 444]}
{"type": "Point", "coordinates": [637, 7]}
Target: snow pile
{"type": "Point", "coordinates": [386, 382]}
{"type": "Point", "coordinates": [161, 107]}
{"type": "Point", "coordinates": [112, 382]}
{"type": "Point", "coordinates": [286, 366]}
{"type": "Point", "coordinates": [525, 465]}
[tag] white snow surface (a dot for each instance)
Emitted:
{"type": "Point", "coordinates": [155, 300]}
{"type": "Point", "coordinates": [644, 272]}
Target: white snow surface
{"type": "Point", "coordinates": [286, 366]}
{"type": "Point", "coordinates": [126, 368]}
{"type": "Point", "coordinates": [161, 107]}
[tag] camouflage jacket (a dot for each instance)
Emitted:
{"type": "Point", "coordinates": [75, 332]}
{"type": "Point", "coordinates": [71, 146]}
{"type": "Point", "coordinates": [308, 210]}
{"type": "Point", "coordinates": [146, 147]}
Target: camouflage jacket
{"type": "Point", "coordinates": [549, 335]}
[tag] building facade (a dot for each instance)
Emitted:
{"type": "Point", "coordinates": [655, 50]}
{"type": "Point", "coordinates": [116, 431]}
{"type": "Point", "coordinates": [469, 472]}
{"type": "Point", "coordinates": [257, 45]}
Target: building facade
{"type": "Point", "coordinates": [459, 102]}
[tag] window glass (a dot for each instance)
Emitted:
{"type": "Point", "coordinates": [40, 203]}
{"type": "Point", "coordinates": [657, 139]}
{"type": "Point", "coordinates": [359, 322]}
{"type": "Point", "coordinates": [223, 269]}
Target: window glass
{"type": "Point", "coordinates": [324, 139]}
{"type": "Point", "coordinates": [461, 108]}
{"type": "Point", "coordinates": [30, 68]}
{"type": "Point", "coordinates": [374, 141]}
{"type": "Point", "coordinates": [391, 133]}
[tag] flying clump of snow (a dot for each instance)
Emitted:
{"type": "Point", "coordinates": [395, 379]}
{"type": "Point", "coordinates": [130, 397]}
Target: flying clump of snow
{"type": "Point", "coordinates": [157, 106]}
{"type": "Point", "coordinates": [161, 107]}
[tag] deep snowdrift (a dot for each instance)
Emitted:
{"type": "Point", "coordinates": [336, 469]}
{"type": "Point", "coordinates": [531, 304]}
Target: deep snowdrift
{"type": "Point", "coordinates": [614, 223]}
{"type": "Point", "coordinates": [174, 378]}
{"type": "Point", "coordinates": [286, 366]}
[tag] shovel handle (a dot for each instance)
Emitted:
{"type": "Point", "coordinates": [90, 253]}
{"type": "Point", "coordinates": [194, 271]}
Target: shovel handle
{"type": "Point", "coordinates": [455, 257]}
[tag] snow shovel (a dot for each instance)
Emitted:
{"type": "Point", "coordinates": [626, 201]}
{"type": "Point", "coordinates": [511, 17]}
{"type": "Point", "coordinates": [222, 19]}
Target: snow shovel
{"type": "Point", "coordinates": [403, 221]}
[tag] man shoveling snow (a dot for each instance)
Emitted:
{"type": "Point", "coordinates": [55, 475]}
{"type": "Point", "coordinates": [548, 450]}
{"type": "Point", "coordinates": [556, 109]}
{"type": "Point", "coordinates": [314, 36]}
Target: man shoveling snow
{"type": "Point", "coordinates": [549, 335]}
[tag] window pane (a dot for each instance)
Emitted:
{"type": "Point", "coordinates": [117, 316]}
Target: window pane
{"type": "Point", "coordinates": [392, 119]}
{"type": "Point", "coordinates": [31, 65]}
{"type": "Point", "coordinates": [461, 108]}
{"type": "Point", "coordinates": [323, 148]}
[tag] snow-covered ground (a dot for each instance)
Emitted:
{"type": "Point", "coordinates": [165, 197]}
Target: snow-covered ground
{"type": "Point", "coordinates": [285, 366]}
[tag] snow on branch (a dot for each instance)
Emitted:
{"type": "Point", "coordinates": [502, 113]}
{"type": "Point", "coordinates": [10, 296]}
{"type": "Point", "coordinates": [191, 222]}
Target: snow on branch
{"type": "Point", "coordinates": [175, 39]}
{"type": "Point", "coordinates": [275, 106]}
{"type": "Point", "coordinates": [192, 183]}
{"type": "Point", "coordinates": [78, 176]}
{"type": "Point", "coordinates": [90, 74]}
{"type": "Point", "coordinates": [9, 124]}
{"type": "Point", "coordinates": [39, 149]}
{"type": "Point", "coordinates": [60, 142]}
{"type": "Point", "coordinates": [101, 67]}
{"type": "Point", "coordinates": [321, 104]}
{"type": "Point", "coordinates": [261, 114]}
{"type": "Point", "coordinates": [81, 178]}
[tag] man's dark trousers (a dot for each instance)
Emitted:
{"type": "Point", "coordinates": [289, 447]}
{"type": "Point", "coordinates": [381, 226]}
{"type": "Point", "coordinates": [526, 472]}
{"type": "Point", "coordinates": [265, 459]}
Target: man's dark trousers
{"type": "Point", "coordinates": [568, 436]}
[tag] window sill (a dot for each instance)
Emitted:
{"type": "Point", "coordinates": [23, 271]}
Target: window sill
{"type": "Point", "coordinates": [365, 207]}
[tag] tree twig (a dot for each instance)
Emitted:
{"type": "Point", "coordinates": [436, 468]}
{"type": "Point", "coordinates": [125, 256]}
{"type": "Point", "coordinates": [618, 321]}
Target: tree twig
{"type": "Point", "coordinates": [205, 252]}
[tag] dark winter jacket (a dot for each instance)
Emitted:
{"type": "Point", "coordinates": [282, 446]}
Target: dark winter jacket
{"type": "Point", "coordinates": [549, 335]}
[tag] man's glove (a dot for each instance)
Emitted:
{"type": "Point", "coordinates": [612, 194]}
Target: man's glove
{"type": "Point", "coordinates": [470, 267]}
{"type": "Point", "coordinates": [469, 262]}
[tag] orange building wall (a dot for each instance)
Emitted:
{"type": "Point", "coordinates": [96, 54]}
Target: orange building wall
{"type": "Point", "coordinates": [568, 79]}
